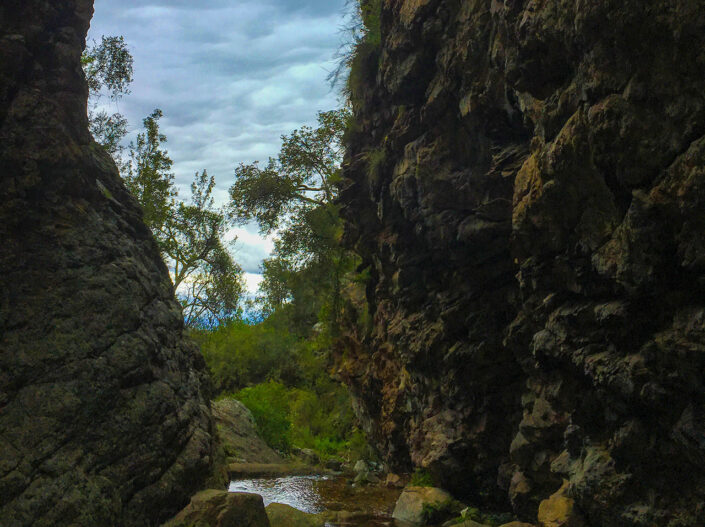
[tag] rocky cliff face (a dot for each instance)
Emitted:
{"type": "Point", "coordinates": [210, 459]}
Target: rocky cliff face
{"type": "Point", "coordinates": [527, 187]}
{"type": "Point", "coordinates": [103, 415]}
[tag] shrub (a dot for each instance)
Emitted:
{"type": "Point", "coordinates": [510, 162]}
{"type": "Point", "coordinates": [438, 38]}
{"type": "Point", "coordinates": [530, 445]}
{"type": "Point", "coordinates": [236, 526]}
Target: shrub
{"type": "Point", "coordinates": [269, 404]}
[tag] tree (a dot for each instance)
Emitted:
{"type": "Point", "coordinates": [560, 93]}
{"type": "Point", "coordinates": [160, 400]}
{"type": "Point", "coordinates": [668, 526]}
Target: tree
{"type": "Point", "coordinates": [149, 177]}
{"type": "Point", "coordinates": [207, 281]}
{"type": "Point", "coordinates": [108, 69]}
{"type": "Point", "coordinates": [295, 196]}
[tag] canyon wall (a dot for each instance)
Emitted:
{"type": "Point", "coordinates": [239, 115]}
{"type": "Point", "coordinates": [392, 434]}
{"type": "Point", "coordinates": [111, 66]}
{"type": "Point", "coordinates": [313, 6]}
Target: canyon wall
{"type": "Point", "coordinates": [526, 187]}
{"type": "Point", "coordinates": [104, 416]}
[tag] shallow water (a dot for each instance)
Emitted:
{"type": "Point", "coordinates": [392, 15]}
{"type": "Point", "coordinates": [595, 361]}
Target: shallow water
{"type": "Point", "coordinates": [297, 491]}
{"type": "Point", "coordinates": [315, 494]}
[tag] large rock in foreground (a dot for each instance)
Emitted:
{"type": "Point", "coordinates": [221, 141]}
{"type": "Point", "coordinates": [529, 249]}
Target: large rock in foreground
{"type": "Point", "coordinates": [218, 508]}
{"type": "Point", "coordinates": [526, 187]}
{"type": "Point", "coordinates": [103, 415]}
{"type": "Point", "coordinates": [281, 515]}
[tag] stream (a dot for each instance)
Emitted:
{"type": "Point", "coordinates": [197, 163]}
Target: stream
{"type": "Point", "coordinates": [315, 494]}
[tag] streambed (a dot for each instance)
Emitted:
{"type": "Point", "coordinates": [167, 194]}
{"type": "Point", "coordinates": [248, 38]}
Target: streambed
{"type": "Point", "coordinates": [316, 494]}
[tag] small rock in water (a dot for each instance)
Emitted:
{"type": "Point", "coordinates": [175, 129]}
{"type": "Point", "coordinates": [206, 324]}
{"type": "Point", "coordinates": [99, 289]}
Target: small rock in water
{"type": "Point", "coordinates": [309, 456]}
{"type": "Point", "coordinates": [361, 466]}
{"type": "Point", "coordinates": [393, 481]}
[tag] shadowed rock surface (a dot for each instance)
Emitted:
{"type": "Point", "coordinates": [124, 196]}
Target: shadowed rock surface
{"type": "Point", "coordinates": [104, 416]}
{"type": "Point", "coordinates": [526, 185]}
{"type": "Point", "coordinates": [238, 435]}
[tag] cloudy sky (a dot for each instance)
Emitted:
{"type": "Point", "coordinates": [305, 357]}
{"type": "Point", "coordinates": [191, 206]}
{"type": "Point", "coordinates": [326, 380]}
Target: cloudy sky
{"type": "Point", "coordinates": [231, 77]}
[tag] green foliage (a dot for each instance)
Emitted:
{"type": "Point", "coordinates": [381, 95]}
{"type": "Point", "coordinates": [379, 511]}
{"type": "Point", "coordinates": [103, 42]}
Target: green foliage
{"type": "Point", "coordinates": [254, 362]}
{"type": "Point", "coordinates": [269, 404]}
{"type": "Point", "coordinates": [240, 355]}
{"type": "Point", "coordinates": [149, 177]}
{"type": "Point", "coordinates": [190, 234]}
{"type": "Point", "coordinates": [371, 14]}
{"type": "Point", "coordinates": [108, 70]}
{"type": "Point", "coordinates": [108, 66]}
{"type": "Point", "coordinates": [491, 519]}
{"type": "Point", "coordinates": [203, 271]}
{"type": "Point", "coordinates": [421, 478]}
{"type": "Point", "coordinates": [375, 160]}
{"type": "Point", "coordinates": [295, 195]}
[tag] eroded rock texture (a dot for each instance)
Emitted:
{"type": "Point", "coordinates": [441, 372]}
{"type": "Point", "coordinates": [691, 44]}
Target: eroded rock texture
{"type": "Point", "coordinates": [527, 187]}
{"type": "Point", "coordinates": [103, 415]}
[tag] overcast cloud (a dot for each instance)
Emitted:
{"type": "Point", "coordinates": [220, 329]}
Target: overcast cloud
{"type": "Point", "coordinates": [231, 77]}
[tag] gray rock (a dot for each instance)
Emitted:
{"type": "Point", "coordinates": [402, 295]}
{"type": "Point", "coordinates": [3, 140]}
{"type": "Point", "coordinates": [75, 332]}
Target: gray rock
{"type": "Point", "coordinates": [425, 506]}
{"type": "Point", "coordinates": [104, 404]}
{"type": "Point", "coordinates": [238, 434]}
{"type": "Point", "coordinates": [524, 186]}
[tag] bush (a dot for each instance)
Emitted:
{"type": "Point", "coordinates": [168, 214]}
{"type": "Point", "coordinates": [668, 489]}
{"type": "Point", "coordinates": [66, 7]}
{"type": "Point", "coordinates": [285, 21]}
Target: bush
{"type": "Point", "coordinates": [269, 404]}
{"type": "Point", "coordinates": [240, 355]}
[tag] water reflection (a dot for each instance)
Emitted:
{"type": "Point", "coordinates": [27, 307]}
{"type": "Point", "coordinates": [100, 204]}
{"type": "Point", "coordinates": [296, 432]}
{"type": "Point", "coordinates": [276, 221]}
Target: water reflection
{"type": "Point", "coordinates": [296, 491]}
{"type": "Point", "coordinates": [370, 506]}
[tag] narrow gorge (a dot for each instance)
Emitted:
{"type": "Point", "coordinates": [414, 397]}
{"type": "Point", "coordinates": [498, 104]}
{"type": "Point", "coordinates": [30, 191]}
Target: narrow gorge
{"type": "Point", "coordinates": [523, 193]}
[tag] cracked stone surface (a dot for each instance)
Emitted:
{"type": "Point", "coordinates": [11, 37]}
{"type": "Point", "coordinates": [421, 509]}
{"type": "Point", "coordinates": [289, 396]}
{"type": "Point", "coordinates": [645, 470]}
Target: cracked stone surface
{"type": "Point", "coordinates": [104, 413]}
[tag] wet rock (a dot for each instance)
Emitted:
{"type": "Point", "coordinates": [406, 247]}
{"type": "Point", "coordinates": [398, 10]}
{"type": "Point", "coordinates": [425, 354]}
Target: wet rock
{"type": "Point", "coordinates": [238, 433]}
{"type": "Point", "coordinates": [425, 506]}
{"type": "Point", "coordinates": [104, 404]}
{"type": "Point", "coordinates": [285, 516]}
{"type": "Point", "coordinates": [217, 508]}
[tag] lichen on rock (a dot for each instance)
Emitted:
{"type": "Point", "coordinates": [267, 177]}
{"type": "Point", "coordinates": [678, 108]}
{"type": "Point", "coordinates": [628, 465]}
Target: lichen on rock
{"type": "Point", "coordinates": [104, 413]}
{"type": "Point", "coordinates": [534, 240]}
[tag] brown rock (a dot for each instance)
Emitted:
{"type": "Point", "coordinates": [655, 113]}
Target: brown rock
{"type": "Point", "coordinates": [560, 511]}
{"type": "Point", "coordinates": [532, 229]}
{"type": "Point", "coordinates": [416, 505]}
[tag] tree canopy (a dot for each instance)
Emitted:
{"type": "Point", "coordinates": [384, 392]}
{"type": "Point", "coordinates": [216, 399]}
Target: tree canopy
{"type": "Point", "coordinates": [294, 196]}
{"type": "Point", "coordinates": [108, 67]}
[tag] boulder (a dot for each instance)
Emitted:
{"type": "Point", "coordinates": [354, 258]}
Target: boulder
{"type": "Point", "coordinates": [334, 464]}
{"type": "Point", "coordinates": [238, 433]}
{"type": "Point", "coordinates": [361, 466]}
{"type": "Point", "coordinates": [218, 508]}
{"type": "Point", "coordinates": [309, 456]}
{"type": "Point", "coordinates": [393, 481]}
{"type": "Point", "coordinates": [559, 510]}
{"type": "Point", "coordinates": [281, 515]}
{"type": "Point", "coordinates": [425, 505]}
